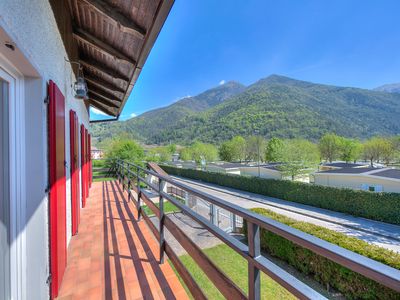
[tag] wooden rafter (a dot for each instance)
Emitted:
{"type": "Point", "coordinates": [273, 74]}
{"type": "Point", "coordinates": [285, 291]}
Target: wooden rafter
{"type": "Point", "coordinates": [102, 107]}
{"type": "Point", "coordinates": [104, 85]}
{"type": "Point", "coordinates": [103, 100]}
{"type": "Point", "coordinates": [103, 69]}
{"type": "Point", "coordinates": [101, 46]}
{"type": "Point", "coordinates": [103, 94]}
{"type": "Point", "coordinates": [123, 23]}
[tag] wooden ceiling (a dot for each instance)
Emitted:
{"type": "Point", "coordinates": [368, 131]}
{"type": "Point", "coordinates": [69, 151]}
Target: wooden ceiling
{"type": "Point", "coordinates": [113, 39]}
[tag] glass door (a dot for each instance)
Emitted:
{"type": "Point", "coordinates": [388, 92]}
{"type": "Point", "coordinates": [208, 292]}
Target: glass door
{"type": "Point", "coordinates": [5, 234]}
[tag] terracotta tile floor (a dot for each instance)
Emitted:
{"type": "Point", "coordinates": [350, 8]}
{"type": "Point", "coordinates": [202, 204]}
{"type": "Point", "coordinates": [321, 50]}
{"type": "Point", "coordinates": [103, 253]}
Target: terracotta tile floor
{"type": "Point", "coordinates": [113, 256]}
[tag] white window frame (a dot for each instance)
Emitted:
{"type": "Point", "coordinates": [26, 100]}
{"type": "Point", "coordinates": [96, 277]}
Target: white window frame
{"type": "Point", "coordinates": [17, 177]}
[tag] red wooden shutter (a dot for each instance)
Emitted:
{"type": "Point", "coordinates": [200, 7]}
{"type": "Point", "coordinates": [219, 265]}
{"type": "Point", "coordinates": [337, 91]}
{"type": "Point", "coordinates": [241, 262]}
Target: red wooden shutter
{"type": "Point", "coordinates": [75, 205]}
{"type": "Point", "coordinates": [58, 242]}
{"type": "Point", "coordinates": [90, 160]}
{"type": "Point", "coordinates": [83, 172]}
{"type": "Point", "coordinates": [87, 161]}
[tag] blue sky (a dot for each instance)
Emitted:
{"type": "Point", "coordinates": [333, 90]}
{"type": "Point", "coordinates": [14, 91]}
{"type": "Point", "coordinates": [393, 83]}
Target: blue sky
{"type": "Point", "coordinates": [205, 42]}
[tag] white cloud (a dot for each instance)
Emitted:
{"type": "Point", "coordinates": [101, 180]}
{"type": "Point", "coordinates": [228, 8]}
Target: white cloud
{"type": "Point", "coordinates": [127, 116]}
{"type": "Point", "coordinates": [222, 82]}
{"type": "Point", "coordinates": [181, 98]}
{"type": "Point", "coordinates": [97, 111]}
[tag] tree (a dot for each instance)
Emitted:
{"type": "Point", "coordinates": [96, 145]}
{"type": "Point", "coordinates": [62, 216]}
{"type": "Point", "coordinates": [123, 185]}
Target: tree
{"type": "Point", "coordinates": [255, 148]}
{"type": "Point", "coordinates": [233, 150]}
{"type": "Point", "coordinates": [298, 156]}
{"type": "Point", "coordinates": [171, 148]}
{"type": "Point", "coordinates": [159, 154]}
{"type": "Point", "coordinates": [378, 148]}
{"type": "Point", "coordinates": [350, 150]}
{"type": "Point", "coordinates": [225, 151]}
{"type": "Point", "coordinates": [199, 151]}
{"type": "Point", "coordinates": [238, 144]}
{"type": "Point", "coordinates": [185, 154]}
{"type": "Point", "coordinates": [329, 147]}
{"type": "Point", "coordinates": [125, 149]}
{"type": "Point", "coordinates": [274, 150]}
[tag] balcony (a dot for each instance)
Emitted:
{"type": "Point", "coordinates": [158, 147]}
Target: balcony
{"type": "Point", "coordinates": [120, 251]}
{"type": "Point", "coordinates": [115, 256]}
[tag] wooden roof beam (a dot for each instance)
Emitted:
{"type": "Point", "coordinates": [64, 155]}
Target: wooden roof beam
{"type": "Point", "coordinates": [104, 85]}
{"type": "Point", "coordinates": [91, 40]}
{"type": "Point", "coordinates": [101, 99]}
{"type": "Point", "coordinates": [123, 23]}
{"type": "Point", "coordinates": [103, 69]}
{"type": "Point", "coordinates": [103, 94]}
{"type": "Point", "coordinates": [102, 107]}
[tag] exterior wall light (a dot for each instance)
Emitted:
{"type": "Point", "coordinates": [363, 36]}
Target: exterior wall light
{"type": "Point", "coordinates": [80, 86]}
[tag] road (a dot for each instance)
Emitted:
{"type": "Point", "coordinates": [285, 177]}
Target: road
{"type": "Point", "coordinates": [374, 232]}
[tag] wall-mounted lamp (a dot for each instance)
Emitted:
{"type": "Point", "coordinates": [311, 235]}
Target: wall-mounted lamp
{"type": "Point", "coordinates": [80, 87]}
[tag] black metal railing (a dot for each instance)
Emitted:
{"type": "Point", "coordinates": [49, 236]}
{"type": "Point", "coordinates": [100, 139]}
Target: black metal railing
{"type": "Point", "coordinates": [132, 178]}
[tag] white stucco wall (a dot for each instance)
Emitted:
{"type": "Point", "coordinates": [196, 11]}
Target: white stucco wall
{"type": "Point", "coordinates": [213, 168]}
{"type": "Point", "coordinates": [264, 172]}
{"type": "Point", "coordinates": [31, 26]}
{"type": "Point", "coordinates": [356, 181]}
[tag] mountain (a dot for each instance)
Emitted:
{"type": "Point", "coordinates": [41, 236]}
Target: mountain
{"type": "Point", "coordinates": [146, 125]}
{"type": "Point", "coordinates": [389, 88]}
{"type": "Point", "coordinates": [275, 106]}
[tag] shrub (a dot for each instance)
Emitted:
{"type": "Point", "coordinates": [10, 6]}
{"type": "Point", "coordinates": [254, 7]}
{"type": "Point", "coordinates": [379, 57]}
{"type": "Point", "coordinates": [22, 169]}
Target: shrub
{"type": "Point", "coordinates": [351, 284]}
{"type": "Point", "coordinates": [383, 207]}
{"type": "Point", "coordinates": [99, 163]}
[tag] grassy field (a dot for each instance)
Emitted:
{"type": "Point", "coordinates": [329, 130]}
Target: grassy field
{"type": "Point", "coordinates": [98, 171]}
{"type": "Point", "coordinates": [235, 266]}
{"type": "Point", "coordinates": [168, 208]}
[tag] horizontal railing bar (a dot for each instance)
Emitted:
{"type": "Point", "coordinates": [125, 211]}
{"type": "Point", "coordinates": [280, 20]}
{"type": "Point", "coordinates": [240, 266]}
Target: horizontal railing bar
{"type": "Point", "coordinates": [224, 284]}
{"type": "Point", "coordinates": [192, 285]}
{"type": "Point", "coordinates": [150, 204]}
{"type": "Point", "coordinates": [372, 269]}
{"type": "Point", "coordinates": [288, 281]}
{"type": "Point", "coordinates": [302, 290]}
{"type": "Point", "coordinates": [151, 225]}
{"type": "Point", "coordinates": [218, 232]}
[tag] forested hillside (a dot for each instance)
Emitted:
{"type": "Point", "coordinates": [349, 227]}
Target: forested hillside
{"type": "Point", "coordinates": [276, 106]}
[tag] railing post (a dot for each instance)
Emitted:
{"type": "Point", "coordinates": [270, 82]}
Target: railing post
{"type": "Point", "coordinates": [253, 234]}
{"type": "Point", "coordinates": [161, 224]}
{"type": "Point", "coordinates": [129, 183]}
{"type": "Point", "coordinates": [138, 207]}
{"type": "Point", "coordinates": [233, 220]}
{"type": "Point", "coordinates": [213, 214]}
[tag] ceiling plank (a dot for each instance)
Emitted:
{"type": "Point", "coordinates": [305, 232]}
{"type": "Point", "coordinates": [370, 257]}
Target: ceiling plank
{"type": "Point", "coordinates": [103, 94]}
{"type": "Point", "coordinates": [103, 100]}
{"type": "Point", "coordinates": [123, 23]}
{"type": "Point", "coordinates": [86, 37]}
{"type": "Point", "coordinates": [102, 108]}
{"type": "Point", "coordinates": [103, 69]}
{"type": "Point", "coordinates": [105, 85]}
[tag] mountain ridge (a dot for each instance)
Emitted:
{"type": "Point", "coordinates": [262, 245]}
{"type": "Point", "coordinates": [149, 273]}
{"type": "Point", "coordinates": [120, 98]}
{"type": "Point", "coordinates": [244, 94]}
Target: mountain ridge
{"type": "Point", "coordinates": [275, 106]}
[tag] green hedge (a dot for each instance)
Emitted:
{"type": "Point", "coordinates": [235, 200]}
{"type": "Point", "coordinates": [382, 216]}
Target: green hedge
{"type": "Point", "coordinates": [377, 206]}
{"type": "Point", "coordinates": [352, 285]}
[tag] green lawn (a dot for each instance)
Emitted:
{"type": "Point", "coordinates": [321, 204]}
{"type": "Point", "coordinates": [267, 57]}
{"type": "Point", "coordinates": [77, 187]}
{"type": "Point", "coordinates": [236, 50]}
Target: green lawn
{"type": "Point", "coordinates": [168, 208]}
{"type": "Point", "coordinates": [235, 266]}
{"type": "Point", "coordinates": [102, 175]}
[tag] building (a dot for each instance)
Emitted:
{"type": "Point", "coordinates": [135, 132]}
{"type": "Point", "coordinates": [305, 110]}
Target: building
{"type": "Point", "coordinates": [48, 50]}
{"type": "Point", "coordinates": [366, 178]}
{"type": "Point", "coordinates": [96, 153]}
{"type": "Point", "coordinates": [341, 165]}
{"type": "Point", "coordinates": [268, 171]}
{"type": "Point", "coordinates": [224, 167]}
